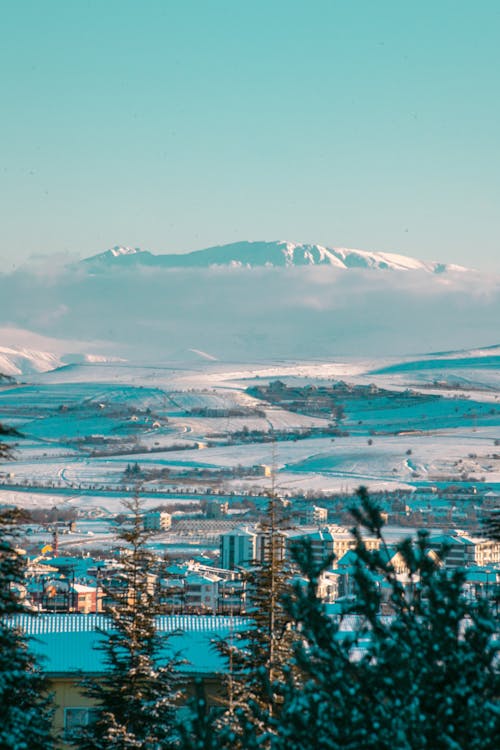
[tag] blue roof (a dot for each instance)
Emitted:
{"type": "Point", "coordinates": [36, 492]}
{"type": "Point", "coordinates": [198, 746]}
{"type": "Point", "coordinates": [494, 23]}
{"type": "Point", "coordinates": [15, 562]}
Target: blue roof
{"type": "Point", "coordinates": [68, 643]}
{"type": "Point", "coordinates": [481, 574]}
{"type": "Point", "coordinates": [348, 559]}
{"type": "Point", "coordinates": [79, 565]}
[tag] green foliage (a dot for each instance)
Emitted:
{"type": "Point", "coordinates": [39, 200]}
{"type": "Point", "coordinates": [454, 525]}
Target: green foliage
{"type": "Point", "coordinates": [423, 676]}
{"type": "Point", "coordinates": [26, 709]}
{"type": "Point", "coordinates": [5, 448]}
{"type": "Point", "coordinates": [136, 696]}
{"type": "Point", "coordinates": [201, 730]}
{"type": "Point", "coordinates": [256, 656]}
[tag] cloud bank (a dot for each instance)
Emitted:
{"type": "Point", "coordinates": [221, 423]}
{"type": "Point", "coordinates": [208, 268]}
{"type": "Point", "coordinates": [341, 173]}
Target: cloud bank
{"type": "Point", "coordinates": [253, 314]}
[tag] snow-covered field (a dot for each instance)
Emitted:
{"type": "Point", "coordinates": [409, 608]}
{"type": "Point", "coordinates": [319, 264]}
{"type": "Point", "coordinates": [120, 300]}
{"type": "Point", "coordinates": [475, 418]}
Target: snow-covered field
{"type": "Point", "coordinates": [83, 424]}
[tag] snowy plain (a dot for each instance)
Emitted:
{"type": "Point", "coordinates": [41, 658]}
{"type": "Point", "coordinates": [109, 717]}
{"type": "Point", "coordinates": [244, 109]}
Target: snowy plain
{"type": "Point", "coordinates": [84, 423]}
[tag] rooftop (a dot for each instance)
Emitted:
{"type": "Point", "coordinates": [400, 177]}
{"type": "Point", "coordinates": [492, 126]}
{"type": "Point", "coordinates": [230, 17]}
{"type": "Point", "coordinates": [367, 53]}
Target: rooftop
{"type": "Point", "coordinates": [70, 643]}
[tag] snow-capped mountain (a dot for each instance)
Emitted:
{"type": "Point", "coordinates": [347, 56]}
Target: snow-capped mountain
{"type": "Point", "coordinates": [249, 301]}
{"type": "Point", "coordinates": [268, 254]}
{"type": "Point", "coordinates": [118, 250]}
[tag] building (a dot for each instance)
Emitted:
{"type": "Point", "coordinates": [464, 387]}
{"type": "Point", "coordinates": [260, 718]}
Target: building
{"type": "Point", "coordinates": [54, 595]}
{"type": "Point", "coordinates": [485, 552]}
{"type": "Point", "coordinates": [247, 544]}
{"type": "Point", "coordinates": [232, 596]}
{"type": "Point", "coordinates": [68, 647]}
{"type": "Point", "coordinates": [157, 521]}
{"type": "Point", "coordinates": [238, 547]}
{"type": "Point", "coordinates": [321, 541]}
{"type": "Point", "coordinates": [483, 583]}
{"type": "Point", "coordinates": [201, 593]}
{"type": "Point", "coordinates": [460, 551]}
{"type": "Point", "coordinates": [217, 508]}
{"type": "Point", "coordinates": [314, 514]}
{"type": "Point", "coordinates": [171, 594]}
{"type": "Point", "coordinates": [85, 599]}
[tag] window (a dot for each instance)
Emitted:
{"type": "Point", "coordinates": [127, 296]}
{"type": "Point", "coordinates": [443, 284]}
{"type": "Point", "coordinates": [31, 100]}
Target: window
{"type": "Point", "coordinates": [75, 719]}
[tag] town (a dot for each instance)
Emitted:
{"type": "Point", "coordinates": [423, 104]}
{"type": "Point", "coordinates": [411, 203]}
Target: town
{"type": "Point", "coordinates": [219, 479]}
{"type": "Point", "coordinates": [71, 563]}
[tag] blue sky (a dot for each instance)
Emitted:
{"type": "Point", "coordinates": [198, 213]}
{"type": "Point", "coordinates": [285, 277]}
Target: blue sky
{"type": "Point", "coordinates": [178, 125]}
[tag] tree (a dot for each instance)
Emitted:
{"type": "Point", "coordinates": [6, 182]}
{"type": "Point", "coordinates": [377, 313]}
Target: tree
{"type": "Point", "coordinates": [26, 710]}
{"type": "Point", "coordinates": [5, 448]}
{"type": "Point", "coordinates": [256, 657]}
{"type": "Point", "coordinates": [136, 696]}
{"type": "Point", "coordinates": [201, 730]}
{"type": "Point", "coordinates": [426, 676]}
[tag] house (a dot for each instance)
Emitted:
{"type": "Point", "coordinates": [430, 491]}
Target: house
{"type": "Point", "coordinates": [84, 599]}
{"type": "Point", "coordinates": [54, 594]}
{"type": "Point", "coordinates": [482, 583]}
{"type": "Point", "coordinates": [68, 646]}
{"type": "Point", "coordinates": [201, 592]}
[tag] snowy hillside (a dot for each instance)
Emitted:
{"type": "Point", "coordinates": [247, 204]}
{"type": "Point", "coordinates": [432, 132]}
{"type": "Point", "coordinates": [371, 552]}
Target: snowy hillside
{"type": "Point", "coordinates": [26, 362]}
{"type": "Point", "coordinates": [20, 361]}
{"type": "Point", "coordinates": [267, 254]}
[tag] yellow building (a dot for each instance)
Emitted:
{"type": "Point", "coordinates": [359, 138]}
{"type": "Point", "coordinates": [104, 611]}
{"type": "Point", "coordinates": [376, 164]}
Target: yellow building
{"type": "Point", "coordinates": [67, 645]}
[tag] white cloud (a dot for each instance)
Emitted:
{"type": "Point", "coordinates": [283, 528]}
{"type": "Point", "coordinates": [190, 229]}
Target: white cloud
{"type": "Point", "coordinates": [237, 313]}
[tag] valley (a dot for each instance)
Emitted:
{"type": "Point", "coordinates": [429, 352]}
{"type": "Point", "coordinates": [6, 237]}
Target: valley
{"type": "Point", "coordinates": [94, 433]}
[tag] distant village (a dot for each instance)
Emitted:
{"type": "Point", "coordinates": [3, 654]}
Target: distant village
{"type": "Point", "coordinates": [72, 559]}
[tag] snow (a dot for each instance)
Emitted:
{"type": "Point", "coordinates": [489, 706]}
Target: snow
{"type": "Point", "coordinates": [284, 301]}
{"type": "Point", "coordinates": [441, 438]}
{"type": "Point", "coordinates": [120, 250]}
{"type": "Point", "coordinates": [280, 253]}
{"type": "Point", "coordinates": [21, 361]}
{"type": "Point", "coordinates": [24, 361]}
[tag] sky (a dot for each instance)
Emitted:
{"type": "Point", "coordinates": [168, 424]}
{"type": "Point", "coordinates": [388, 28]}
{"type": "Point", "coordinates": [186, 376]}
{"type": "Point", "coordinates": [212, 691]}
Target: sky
{"type": "Point", "coordinates": [177, 125]}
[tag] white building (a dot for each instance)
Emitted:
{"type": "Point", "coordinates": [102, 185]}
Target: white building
{"type": "Point", "coordinates": [157, 521]}
{"type": "Point", "coordinates": [237, 547]}
{"type": "Point", "coordinates": [316, 515]}
{"type": "Point", "coordinates": [202, 593]}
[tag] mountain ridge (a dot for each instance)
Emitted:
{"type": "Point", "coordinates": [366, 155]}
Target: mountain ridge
{"type": "Point", "coordinates": [276, 254]}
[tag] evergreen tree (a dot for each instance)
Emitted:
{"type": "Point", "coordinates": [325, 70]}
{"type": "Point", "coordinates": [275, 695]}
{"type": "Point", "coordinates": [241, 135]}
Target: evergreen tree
{"type": "Point", "coordinates": [201, 730]}
{"type": "Point", "coordinates": [5, 448]}
{"type": "Point", "coordinates": [256, 657]}
{"type": "Point", "coordinates": [136, 696]}
{"type": "Point", "coordinates": [25, 706]}
{"type": "Point", "coordinates": [426, 676]}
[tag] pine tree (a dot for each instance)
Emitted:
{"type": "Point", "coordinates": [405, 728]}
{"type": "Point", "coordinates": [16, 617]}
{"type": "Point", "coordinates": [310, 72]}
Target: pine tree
{"type": "Point", "coordinates": [25, 706]}
{"type": "Point", "coordinates": [324, 709]}
{"type": "Point", "coordinates": [256, 657]}
{"type": "Point", "coordinates": [136, 696]}
{"type": "Point", "coordinates": [5, 448]}
{"type": "Point", "coordinates": [425, 676]}
{"type": "Point", "coordinates": [201, 730]}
